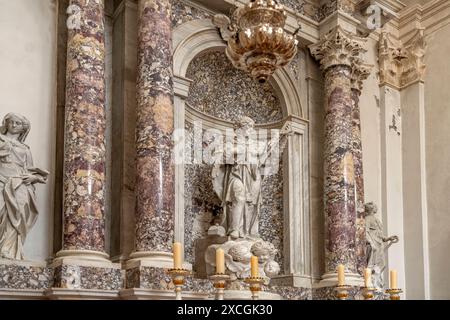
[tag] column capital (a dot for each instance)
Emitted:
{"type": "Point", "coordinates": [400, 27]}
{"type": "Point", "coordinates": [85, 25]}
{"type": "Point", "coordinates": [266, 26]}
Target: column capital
{"type": "Point", "coordinates": [338, 47]}
{"type": "Point", "coordinates": [360, 72]}
{"type": "Point", "coordinates": [402, 64]}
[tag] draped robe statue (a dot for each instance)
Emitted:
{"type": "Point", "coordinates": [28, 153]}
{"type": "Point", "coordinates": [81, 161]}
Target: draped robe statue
{"type": "Point", "coordinates": [18, 209]}
{"type": "Point", "coordinates": [377, 244]}
{"type": "Point", "coordinates": [238, 183]}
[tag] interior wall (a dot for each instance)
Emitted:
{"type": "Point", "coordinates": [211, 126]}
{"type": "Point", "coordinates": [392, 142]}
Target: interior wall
{"type": "Point", "coordinates": [27, 61]}
{"type": "Point", "coordinates": [437, 119]}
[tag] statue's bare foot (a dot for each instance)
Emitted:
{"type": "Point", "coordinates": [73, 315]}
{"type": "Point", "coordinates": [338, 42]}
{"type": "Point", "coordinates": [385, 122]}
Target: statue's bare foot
{"type": "Point", "coordinates": [234, 234]}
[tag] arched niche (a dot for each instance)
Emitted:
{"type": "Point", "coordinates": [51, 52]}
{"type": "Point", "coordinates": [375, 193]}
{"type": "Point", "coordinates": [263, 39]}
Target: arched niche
{"type": "Point", "coordinates": [198, 36]}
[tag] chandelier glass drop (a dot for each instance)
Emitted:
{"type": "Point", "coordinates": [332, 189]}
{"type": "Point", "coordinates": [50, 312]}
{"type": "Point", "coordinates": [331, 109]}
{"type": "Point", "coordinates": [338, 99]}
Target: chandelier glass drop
{"type": "Point", "coordinates": [257, 41]}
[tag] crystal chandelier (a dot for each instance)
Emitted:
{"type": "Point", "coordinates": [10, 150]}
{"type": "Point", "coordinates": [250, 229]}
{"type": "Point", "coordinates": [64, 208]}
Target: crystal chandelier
{"type": "Point", "coordinates": [257, 41]}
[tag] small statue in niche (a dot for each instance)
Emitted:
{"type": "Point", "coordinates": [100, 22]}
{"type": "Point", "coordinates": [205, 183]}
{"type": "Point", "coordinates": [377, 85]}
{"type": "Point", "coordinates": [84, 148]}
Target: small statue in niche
{"type": "Point", "coordinates": [18, 208]}
{"type": "Point", "coordinates": [376, 244]}
{"type": "Point", "coordinates": [238, 183]}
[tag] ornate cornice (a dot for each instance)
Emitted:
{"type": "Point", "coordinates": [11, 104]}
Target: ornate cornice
{"type": "Point", "coordinates": [402, 64]}
{"type": "Point", "coordinates": [338, 47]}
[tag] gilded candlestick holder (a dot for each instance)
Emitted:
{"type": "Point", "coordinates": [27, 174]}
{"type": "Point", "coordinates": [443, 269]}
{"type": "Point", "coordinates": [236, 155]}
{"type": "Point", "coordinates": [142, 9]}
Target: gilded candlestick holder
{"type": "Point", "coordinates": [368, 293]}
{"type": "Point", "coordinates": [342, 292]}
{"type": "Point", "coordinates": [178, 279]}
{"type": "Point", "coordinates": [219, 281]}
{"type": "Point", "coordinates": [255, 286]}
{"type": "Point", "coordinates": [394, 294]}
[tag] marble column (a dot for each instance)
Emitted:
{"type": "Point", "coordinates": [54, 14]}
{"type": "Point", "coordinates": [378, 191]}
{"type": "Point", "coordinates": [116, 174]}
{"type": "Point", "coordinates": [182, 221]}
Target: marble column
{"type": "Point", "coordinates": [337, 52]}
{"type": "Point", "coordinates": [85, 121]}
{"type": "Point", "coordinates": [360, 72]}
{"type": "Point", "coordinates": [155, 170]}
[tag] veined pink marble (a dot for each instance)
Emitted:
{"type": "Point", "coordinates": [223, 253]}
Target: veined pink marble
{"type": "Point", "coordinates": [359, 182]}
{"type": "Point", "coordinates": [155, 190]}
{"type": "Point", "coordinates": [84, 156]}
{"type": "Point", "coordinates": [339, 171]}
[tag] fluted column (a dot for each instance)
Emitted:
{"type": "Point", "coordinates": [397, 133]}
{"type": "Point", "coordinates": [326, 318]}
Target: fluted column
{"type": "Point", "coordinates": [85, 121]}
{"type": "Point", "coordinates": [155, 190]}
{"type": "Point", "coordinates": [337, 53]}
{"type": "Point", "coordinates": [360, 72]}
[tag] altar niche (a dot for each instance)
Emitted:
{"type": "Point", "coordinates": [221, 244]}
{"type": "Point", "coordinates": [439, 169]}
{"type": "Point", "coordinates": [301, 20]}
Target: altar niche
{"type": "Point", "coordinates": [285, 212]}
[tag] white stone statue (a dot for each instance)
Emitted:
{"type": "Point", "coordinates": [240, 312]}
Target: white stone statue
{"type": "Point", "coordinates": [377, 244]}
{"type": "Point", "coordinates": [18, 209]}
{"type": "Point", "coordinates": [238, 184]}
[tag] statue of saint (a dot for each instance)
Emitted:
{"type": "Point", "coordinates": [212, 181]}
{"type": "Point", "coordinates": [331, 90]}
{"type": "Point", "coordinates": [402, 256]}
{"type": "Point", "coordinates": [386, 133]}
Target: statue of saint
{"type": "Point", "coordinates": [18, 209]}
{"type": "Point", "coordinates": [238, 183]}
{"type": "Point", "coordinates": [376, 244]}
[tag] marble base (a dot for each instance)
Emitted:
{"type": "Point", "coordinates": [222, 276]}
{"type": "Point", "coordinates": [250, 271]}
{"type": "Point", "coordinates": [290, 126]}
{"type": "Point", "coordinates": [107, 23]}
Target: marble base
{"type": "Point", "coordinates": [354, 293]}
{"type": "Point", "coordinates": [331, 279]}
{"type": "Point", "coordinates": [292, 293]}
{"type": "Point", "coordinates": [292, 280]}
{"type": "Point", "coordinates": [80, 294]}
{"type": "Point", "coordinates": [247, 295]}
{"type": "Point", "coordinates": [22, 294]}
{"type": "Point", "coordinates": [25, 275]}
{"type": "Point", "coordinates": [81, 274]}
{"type": "Point", "coordinates": [149, 294]}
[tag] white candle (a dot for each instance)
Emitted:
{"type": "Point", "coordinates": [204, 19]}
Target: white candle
{"type": "Point", "coordinates": [393, 279]}
{"type": "Point", "coordinates": [341, 275]}
{"type": "Point", "coordinates": [220, 261]}
{"type": "Point", "coordinates": [368, 277]}
{"type": "Point", "coordinates": [177, 263]}
{"type": "Point", "coordinates": [254, 267]}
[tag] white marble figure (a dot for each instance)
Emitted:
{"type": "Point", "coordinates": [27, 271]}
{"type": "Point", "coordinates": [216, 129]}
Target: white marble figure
{"type": "Point", "coordinates": [18, 209]}
{"type": "Point", "coordinates": [238, 183]}
{"type": "Point", "coordinates": [237, 260]}
{"type": "Point", "coordinates": [376, 244]}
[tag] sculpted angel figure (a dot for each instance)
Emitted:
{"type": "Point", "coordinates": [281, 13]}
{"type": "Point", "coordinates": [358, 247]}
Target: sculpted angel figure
{"type": "Point", "coordinates": [238, 183]}
{"type": "Point", "coordinates": [18, 209]}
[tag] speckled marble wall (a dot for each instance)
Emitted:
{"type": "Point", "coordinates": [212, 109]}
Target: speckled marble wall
{"type": "Point", "coordinates": [87, 277]}
{"type": "Point", "coordinates": [183, 12]}
{"type": "Point", "coordinates": [240, 96]}
{"type": "Point", "coordinates": [22, 276]}
{"type": "Point", "coordinates": [159, 279]}
{"type": "Point", "coordinates": [222, 91]}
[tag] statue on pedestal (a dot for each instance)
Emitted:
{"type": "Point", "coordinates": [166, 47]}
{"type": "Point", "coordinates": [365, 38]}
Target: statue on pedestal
{"type": "Point", "coordinates": [376, 244]}
{"type": "Point", "coordinates": [18, 209]}
{"type": "Point", "coordinates": [238, 183]}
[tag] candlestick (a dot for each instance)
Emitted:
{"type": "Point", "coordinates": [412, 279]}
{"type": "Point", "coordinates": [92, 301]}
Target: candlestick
{"type": "Point", "coordinates": [368, 277]}
{"type": "Point", "coordinates": [394, 294]}
{"type": "Point", "coordinates": [255, 286]}
{"type": "Point", "coordinates": [341, 275]}
{"type": "Point", "coordinates": [254, 267]}
{"type": "Point", "coordinates": [220, 261]}
{"type": "Point", "coordinates": [368, 293]}
{"type": "Point", "coordinates": [393, 278]}
{"type": "Point", "coordinates": [342, 292]}
{"type": "Point", "coordinates": [177, 263]}
{"type": "Point", "coordinates": [219, 282]}
{"type": "Point", "coordinates": [178, 277]}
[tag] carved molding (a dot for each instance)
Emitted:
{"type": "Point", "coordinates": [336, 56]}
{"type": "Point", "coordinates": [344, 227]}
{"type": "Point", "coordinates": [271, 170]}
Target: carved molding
{"type": "Point", "coordinates": [402, 64]}
{"type": "Point", "coordinates": [338, 47]}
